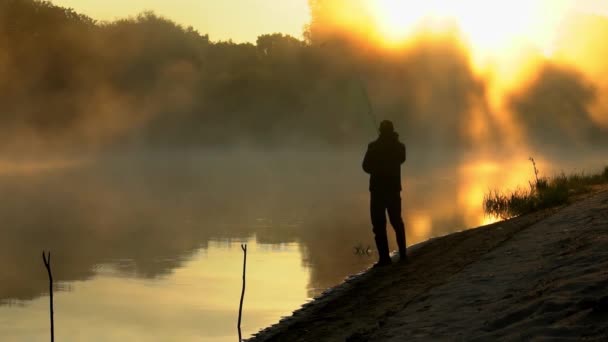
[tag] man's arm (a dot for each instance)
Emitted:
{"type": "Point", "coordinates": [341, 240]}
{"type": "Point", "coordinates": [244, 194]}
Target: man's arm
{"type": "Point", "coordinates": [402, 154]}
{"type": "Point", "coordinates": [367, 162]}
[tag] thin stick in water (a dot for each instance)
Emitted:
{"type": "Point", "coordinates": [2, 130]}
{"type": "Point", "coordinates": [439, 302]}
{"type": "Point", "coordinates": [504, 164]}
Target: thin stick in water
{"type": "Point", "coordinates": [47, 263]}
{"type": "Point", "coordinates": [244, 248]}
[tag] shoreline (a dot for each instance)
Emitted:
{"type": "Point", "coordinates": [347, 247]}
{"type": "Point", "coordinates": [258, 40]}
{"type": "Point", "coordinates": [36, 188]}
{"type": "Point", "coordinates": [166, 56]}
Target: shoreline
{"type": "Point", "coordinates": [364, 305]}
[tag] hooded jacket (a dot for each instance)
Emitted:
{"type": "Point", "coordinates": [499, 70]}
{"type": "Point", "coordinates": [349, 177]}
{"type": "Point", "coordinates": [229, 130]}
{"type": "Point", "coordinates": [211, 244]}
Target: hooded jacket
{"type": "Point", "coordinates": [383, 161]}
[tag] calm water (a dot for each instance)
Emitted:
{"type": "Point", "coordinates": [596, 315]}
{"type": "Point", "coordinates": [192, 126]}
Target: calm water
{"type": "Point", "coordinates": [146, 247]}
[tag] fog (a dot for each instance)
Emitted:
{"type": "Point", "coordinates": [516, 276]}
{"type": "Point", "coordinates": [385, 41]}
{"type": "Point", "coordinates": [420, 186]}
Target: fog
{"type": "Point", "coordinates": [146, 213]}
{"type": "Point", "coordinates": [87, 86]}
{"type": "Point", "coordinates": [137, 142]}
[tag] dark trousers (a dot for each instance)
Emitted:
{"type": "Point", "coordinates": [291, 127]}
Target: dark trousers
{"type": "Point", "coordinates": [381, 203]}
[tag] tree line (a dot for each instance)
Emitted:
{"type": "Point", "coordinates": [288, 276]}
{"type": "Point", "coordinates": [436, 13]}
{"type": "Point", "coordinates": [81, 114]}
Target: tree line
{"type": "Point", "coordinates": [69, 80]}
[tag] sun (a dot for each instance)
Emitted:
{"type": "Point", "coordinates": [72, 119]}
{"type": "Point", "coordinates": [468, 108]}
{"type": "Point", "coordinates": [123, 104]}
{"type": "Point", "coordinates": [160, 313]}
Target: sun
{"type": "Point", "coordinates": [488, 26]}
{"type": "Point", "coordinates": [397, 19]}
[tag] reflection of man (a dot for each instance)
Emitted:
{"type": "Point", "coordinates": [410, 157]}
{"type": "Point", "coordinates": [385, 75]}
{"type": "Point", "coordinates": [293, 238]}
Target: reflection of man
{"type": "Point", "coordinates": [383, 161]}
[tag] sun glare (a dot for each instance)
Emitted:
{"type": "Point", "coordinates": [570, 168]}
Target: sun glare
{"type": "Point", "coordinates": [490, 27]}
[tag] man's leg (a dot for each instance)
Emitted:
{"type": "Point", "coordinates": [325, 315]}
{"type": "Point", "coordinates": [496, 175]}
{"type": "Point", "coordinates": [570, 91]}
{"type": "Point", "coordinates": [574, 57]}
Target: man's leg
{"type": "Point", "coordinates": [377, 212]}
{"type": "Point", "coordinates": [394, 215]}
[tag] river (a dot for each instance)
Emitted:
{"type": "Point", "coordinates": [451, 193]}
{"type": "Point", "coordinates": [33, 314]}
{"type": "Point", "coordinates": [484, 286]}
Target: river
{"type": "Point", "coordinates": [146, 246]}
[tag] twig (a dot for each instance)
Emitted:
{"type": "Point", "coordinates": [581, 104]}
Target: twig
{"type": "Point", "coordinates": [244, 248]}
{"type": "Point", "coordinates": [535, 169]}
{"type": "Point", "coordinates": [47, 263]}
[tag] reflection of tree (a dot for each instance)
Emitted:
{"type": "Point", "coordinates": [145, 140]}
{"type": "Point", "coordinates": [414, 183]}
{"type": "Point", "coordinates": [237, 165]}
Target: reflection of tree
{"type": "Point", "coordinates": [148, 216]}
{"type": "Point", "coordinates": [68, 82]}
{"type": "Point", "coordinates": [84, 226]}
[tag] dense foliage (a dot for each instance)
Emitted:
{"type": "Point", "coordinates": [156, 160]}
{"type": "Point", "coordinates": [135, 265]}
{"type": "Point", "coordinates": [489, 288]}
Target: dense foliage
{"type": "Point", "coordinates": [68, 80]}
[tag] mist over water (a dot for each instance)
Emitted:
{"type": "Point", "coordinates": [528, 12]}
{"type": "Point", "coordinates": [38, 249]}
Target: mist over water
{"type": "Point", "coordinates": [159, 231]}
{"type": "Point", "coordinates": [142, 154]}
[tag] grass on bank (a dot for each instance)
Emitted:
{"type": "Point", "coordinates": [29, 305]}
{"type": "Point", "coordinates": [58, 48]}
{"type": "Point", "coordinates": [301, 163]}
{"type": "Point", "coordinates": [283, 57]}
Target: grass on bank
{"type": "Point", "coordinates": [543, 193]}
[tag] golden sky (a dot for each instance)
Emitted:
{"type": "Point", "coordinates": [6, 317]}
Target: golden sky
{"type": "Point", "coordinates": [244, 20]}
{"type": "Point", "coordinates": [239, 20]}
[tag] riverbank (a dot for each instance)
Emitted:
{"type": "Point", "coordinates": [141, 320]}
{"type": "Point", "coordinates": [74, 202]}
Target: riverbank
{"type": "Point", "coordinates": [542, 275]}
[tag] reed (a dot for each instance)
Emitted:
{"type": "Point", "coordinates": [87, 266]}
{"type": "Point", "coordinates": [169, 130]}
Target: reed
{"type": "Point", "coordinates": [543, 193]}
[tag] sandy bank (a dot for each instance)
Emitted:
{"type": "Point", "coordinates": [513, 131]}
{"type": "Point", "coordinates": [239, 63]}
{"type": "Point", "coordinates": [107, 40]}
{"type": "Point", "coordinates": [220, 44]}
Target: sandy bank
{"type": "Point", "coordinates": [540, 276]}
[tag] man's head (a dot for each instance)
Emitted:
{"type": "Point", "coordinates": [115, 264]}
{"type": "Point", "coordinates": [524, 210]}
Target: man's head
{"type": "Point", "coordinates": [386, 127]}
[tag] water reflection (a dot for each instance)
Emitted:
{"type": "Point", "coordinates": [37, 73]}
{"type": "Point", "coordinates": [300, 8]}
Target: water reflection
{"type": "Point", "coordinates": [148, 244]}
{"type": "Point", "coordinates": [198, 299]}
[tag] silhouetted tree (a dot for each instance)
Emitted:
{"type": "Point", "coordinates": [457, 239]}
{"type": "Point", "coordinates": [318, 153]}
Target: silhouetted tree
{"type": "Point", "coordinates": [68, 81]}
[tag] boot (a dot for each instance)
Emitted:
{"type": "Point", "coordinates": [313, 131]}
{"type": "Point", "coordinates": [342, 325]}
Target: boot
{"type": "Point", "coordinates": [383, 253]}
{"type": "Point", "coordinates": [402, 247]}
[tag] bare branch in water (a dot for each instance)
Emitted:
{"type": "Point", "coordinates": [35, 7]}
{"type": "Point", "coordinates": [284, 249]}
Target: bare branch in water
{"type": "Point", "coordinates": [244, 248]}
{"type": "Point", "coordinates": [47, 263]}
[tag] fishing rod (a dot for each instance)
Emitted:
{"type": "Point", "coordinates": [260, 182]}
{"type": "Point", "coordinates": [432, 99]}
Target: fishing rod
{"type": "Point", "coordinates": [370, 109]}
{"type": "Point", "coordinates": [359, 80]}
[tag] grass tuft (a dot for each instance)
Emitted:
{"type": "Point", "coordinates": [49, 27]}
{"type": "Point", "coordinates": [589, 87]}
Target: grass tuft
{"type": "Point", "coordinates": [543, 193]}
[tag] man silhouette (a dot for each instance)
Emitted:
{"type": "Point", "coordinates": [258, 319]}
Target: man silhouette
{"type": "Point", "coordinates": [383, 161]}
